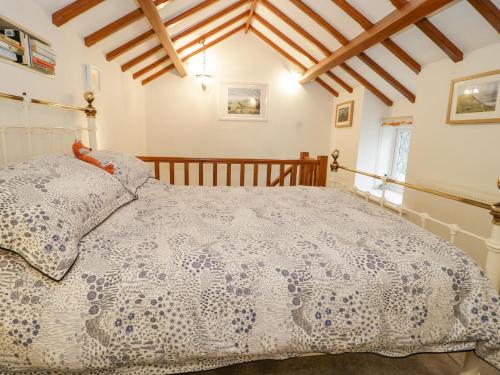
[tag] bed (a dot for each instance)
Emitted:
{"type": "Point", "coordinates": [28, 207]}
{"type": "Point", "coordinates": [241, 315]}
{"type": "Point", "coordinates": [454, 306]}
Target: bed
{"type": "Point", "coordinates": [170, 279]}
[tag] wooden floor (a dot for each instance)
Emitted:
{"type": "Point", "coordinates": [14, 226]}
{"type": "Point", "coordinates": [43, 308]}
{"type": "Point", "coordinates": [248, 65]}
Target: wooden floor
{"type": "Point", "coordinates": [351, 364]}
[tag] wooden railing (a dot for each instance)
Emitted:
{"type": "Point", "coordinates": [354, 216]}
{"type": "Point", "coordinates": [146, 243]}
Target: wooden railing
{"type": "Point", "coordinates": [304, 171]}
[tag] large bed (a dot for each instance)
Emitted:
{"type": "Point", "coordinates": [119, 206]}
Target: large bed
{"type": "Point", "coordinates": [162, 279]}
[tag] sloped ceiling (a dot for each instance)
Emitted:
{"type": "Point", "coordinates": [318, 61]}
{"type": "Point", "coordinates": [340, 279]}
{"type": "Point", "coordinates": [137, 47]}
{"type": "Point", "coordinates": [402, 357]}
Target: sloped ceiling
{"type": "Point", "coordinates": [459, 22]}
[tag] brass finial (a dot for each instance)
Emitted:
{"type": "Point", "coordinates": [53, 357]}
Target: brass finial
{"type": "Point", "coordinates": [335, 166]}
{"type": "Point", "coordinates": [90, 110]}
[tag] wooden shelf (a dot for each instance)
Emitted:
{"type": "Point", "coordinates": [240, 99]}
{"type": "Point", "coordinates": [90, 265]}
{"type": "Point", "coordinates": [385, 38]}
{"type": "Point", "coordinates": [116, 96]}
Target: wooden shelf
{"type": "Point", "coordinates": [7, 23]}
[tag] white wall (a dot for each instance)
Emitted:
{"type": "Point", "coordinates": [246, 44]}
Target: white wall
{"type": "Point", "coordinates": [346, 140]}
{"type": "Point", "coordinates": [183, 122]}
{"type": "Point", "coordinates": [120, 103]}
{"type": "Point", "coordinates": [464, 158]}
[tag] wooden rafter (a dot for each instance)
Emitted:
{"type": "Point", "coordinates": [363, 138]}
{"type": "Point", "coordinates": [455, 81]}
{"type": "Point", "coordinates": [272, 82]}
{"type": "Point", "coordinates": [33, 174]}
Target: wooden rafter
{"type": "Point", "coordinates": [362, 56]}
{"type": "Point", "coordinates": [148, 34]}
{"type": "Point", "coordinates": [184, 33]}
{"type": "Point", "coordinates": [434, 34]}
{"type": "Point", "coordinates": [250, 16]}
{"type": "Point", "coordinates": [325, 50]}
{"type": "Point", "coordinates": [388, 43]}
{"type": "Point", "coordinates": [205, 36]}
{"type": "Point", "coordinates": [117, 25]}
{"type": "Point", "coordinates": [489, 11]}
{"type": "Point", "coordinates": [73, 10]}
{"type": "Point", "coordinates": [396, 21]}
{"type": "Point", "coordinates": [199, 50]}
{"type": "Point", "coordinates": [290, 58]}
{"type": "Point", "coordinates": [151, 13]}
{"type": "Point", "coordinates": [299, 49]}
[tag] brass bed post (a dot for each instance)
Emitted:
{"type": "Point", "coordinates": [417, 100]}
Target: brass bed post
{"type": "Point", "coordinates": [91, 114]}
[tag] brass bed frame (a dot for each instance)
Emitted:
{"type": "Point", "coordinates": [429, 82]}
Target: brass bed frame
{"type": "Point", "coordinates": [303, 171]}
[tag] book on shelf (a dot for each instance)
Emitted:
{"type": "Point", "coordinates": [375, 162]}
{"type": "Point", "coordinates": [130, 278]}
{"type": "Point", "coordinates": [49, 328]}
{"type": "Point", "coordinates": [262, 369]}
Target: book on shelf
{"type": "Point", "coordinates": [44, 58]}
{"type": "Point", "coordinates": [9, 41]}
{"type": "Point", "coordinates": [42, 49]}
{"type": "Point", "coordinates": [7, 54]}
{"type": "Point", "coordinates": [10, 47]}
{"type": "Point", "coordinates": [41, 62]}
{"type": "Point", "coordinates": [43, 68]}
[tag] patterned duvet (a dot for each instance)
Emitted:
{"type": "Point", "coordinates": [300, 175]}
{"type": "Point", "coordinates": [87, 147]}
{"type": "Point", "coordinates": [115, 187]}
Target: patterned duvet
{"type": "Point", "coordinates": [191, 278]}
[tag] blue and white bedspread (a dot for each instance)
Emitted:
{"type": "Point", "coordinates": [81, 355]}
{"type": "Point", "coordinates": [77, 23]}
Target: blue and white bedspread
{"type": "Point", "coordinates": [192, 278]}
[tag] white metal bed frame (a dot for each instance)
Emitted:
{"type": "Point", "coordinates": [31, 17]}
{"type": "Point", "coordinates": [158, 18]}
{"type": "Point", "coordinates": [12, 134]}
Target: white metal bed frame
{"type": "Point", "coordinates": [470, 365]}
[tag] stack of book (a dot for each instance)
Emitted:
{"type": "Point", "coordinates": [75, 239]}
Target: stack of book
{"type": "Point", "coordinates": [17, 46]}
{"type": "Point", "coordinates": [42, 57]}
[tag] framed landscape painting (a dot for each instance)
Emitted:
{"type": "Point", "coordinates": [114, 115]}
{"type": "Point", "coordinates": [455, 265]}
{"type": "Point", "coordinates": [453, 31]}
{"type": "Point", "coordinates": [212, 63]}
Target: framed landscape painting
{"type": "Point", "coordinates": [244, 102]}
{"type": "Point", "coordinates": [343, 114]}
{"type": "Point", "coordinates": [475, 99]}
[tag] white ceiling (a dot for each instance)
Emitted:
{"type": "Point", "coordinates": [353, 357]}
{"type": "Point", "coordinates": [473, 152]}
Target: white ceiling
{"type": "Point", "coordinates": [459, 22]}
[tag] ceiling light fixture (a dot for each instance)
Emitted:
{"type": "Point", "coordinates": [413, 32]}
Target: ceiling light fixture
{"type": "Point", "coordinates": [204, 77]}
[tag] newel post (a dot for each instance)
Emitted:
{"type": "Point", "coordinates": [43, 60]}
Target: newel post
{"type": "Point", "coordinates": [493, 246]}
{"type": "Point", "coordinates": [91, 113]}
{"type": "Point", "coordinates": [322, 171]}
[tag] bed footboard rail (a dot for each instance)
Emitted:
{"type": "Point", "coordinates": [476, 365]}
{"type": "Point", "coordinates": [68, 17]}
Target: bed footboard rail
{"type": "Point", "coordinates": [303, 171]}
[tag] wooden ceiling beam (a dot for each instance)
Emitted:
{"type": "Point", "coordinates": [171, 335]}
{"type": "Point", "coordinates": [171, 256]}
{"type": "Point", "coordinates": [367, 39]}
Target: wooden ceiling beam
{"type": "Point", "coordinates": [388, 43]}
{"type": "Point", "coordinates": [73, 10]}
{"type": "Point", "coordinates": [184, 33]}
{"type": "Point", "coordinates": [199, 50]}
{"type": "Point", "coordinates": [362, 56]}
{"type": "Point", "coordinates": [117, 25]}
{"type": "Point", "coordinates": [151, 13]}
{"type": "Point", "coordinates": [395, 21]}
{"type": "Point", "coordinates": [489, 11]}
{"type": "Point", "coordinates": [434, 34]}
{"type": "Point", "coordinates": [290, 58]}
{"type": "Point", "coordinates": [148, 34]}
{"type": "Point", "coordinates": [252, 11]}
{"type": "Point", "coordinates": [209, 34]}
{"type": "Point", "coordinates": [325, 50]}
{"type": "Point", "coordinates": [299, 49]}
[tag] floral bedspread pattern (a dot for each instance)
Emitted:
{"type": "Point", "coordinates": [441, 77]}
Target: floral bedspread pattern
{"type": "Point", "coordinates": [191, 278]}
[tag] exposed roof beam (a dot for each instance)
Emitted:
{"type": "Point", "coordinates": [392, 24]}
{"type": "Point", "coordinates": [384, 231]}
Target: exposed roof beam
{"type": "Point", "coordinates": [388, 43]}
{"type": "Point", "coordinates": [344, 41]}
{"type": "Point", "coordinates": [434, 34]}
{"type": "Point", "coordinates": [205, 36]}
{"type": "Point", "coordinates": [290, 58]}
{"type": "Point", "coordinates": [73, 10]}
{"type": "Point", "coordinates": [299, 49]}
{"type": "Point", "coordinates": [117, 25]}
{"type": "Point", "coordinates": [148, 34]}
{"type": "Point", "coordinates": [214, 17]}
{"type": "Point", "coordinates": [252, 11]}
{"type": "Point", "coordinates": [489, 11]}
{"type": "Point", "coordinates": [150, 11]}
{"type": "Point", "coordinates": [199, 50]}
{"type": "Point", "coordinates": [396, 21]}
{"type": "Point", "coordinates": [325, 50]}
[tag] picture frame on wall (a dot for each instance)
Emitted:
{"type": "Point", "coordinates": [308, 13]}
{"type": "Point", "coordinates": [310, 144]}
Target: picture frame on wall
{"type": "Point", "coordinates": [344, 114]}
{"type": "Point", "coordinates": [92, 78]}
{"type": "Point", "coordinates": [244, 101]}
{"type": "Point", "coordinates": [475, 99]}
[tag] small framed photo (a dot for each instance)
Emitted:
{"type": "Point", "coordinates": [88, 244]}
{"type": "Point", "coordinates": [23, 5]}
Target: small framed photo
{"type": "Point", "coordinates": [92, 78]}
{"type": "Point", "coordinates": [475, 99]}
{"type": "Point", "coordinates": [243, 101]}
{"type": "Point", "coordinates": [343, 114]}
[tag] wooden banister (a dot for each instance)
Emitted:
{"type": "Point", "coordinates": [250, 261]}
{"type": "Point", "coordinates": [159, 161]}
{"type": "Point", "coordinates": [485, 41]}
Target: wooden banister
{"type": "Point", "coordinates": [304, 171]}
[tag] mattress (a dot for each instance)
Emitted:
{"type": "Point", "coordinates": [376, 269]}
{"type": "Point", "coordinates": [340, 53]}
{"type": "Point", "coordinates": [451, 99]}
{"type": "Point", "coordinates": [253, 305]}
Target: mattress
{"type": "Point", "coordinates": [192, 278]}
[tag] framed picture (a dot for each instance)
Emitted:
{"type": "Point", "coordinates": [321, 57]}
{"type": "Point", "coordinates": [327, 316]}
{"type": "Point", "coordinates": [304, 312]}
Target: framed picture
{"type": "Point", "coordinates": [475, 99]}
{"type": "Point", "coordinates": [243, 102]}
{"type": "Point", "coordinates": [343, 114]}
{"type": "Point", "coordinates": [92, 78]}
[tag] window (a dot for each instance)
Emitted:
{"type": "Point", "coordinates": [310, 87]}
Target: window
{"type": "Point", "coordinates": [400, 154]}
{"type": "Point", "coordinates": [392, 159]}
